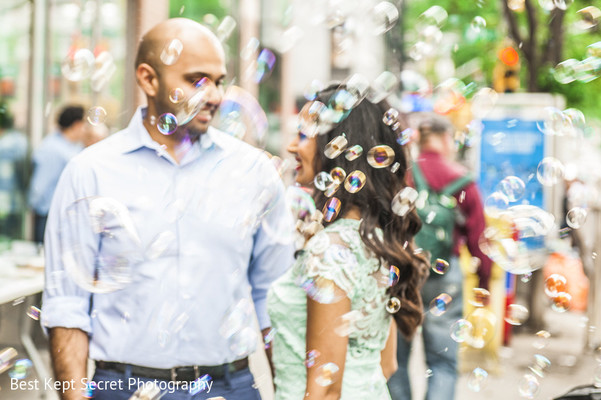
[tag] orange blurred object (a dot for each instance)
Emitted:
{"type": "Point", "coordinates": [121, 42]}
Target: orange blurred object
{"type": "Point", "coordinates": [577, 284]}
{"type": "Point", "coordinates": [509, 56]}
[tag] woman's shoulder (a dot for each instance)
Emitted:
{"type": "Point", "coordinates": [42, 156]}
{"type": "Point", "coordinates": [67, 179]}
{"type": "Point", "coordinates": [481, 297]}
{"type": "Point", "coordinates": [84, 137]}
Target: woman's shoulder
{"type": "Point", "coordinates": [342, 232]}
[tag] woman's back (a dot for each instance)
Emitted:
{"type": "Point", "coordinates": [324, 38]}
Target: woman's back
{"type": "Point", "coordinates": [335, 263]}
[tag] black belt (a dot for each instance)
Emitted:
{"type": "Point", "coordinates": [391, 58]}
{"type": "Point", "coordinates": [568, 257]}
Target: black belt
{"type": "Point", "coordinates": [176, 374]}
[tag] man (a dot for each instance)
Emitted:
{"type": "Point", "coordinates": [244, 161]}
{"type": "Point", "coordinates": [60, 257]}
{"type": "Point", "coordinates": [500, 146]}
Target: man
{"type": "Point", "coordinates": [439, 173]}
{"type": "Point", "coordinates": [162, 236]}
{"type": "Point", "coordinates": [49, 160]}
{"type": "Point", "coordinates": [13, 176]}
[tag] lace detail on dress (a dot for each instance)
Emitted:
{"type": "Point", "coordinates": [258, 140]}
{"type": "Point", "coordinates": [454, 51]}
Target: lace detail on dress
{"type": "Point", "coordinates": [336, 263]}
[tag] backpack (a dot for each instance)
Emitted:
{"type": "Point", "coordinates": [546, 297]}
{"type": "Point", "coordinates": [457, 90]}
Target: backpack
{"type": "Point", "coordinates": [438, 213]}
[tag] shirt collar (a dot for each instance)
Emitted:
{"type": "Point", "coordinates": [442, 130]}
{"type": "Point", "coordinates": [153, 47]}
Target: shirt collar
{"type": "Point", "coordinates": [137, 135]}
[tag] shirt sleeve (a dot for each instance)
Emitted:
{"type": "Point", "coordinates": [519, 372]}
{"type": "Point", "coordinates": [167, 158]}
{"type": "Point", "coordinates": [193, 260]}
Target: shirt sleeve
{"type": "Point", "coordinates": [473, 210]}
{"type": "Point", "coordinates": [69, 246]}
{"type": "Point", "coordinates": [273, 248]}
{"type": "Point", "coordinates": [329, 271]}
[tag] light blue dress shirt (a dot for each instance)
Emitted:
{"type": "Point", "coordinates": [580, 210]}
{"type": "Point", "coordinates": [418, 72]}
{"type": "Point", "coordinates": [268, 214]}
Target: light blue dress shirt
{"type": "Point", "coordinates": [49, 160]}
{"type": "Point", "coordinates": [162, 262]}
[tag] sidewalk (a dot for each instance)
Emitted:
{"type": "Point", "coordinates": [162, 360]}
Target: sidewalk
{"type": "Point", "coordinates": [570, 365]}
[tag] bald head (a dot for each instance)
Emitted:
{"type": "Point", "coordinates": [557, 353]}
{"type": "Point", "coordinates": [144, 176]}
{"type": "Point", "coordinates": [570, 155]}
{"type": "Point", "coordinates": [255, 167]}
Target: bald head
{"type": "Point", "coordinates": [183, 29]}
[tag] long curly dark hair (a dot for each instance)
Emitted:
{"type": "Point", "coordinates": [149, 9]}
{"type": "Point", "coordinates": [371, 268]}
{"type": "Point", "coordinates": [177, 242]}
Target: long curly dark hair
{"type": "Point", "coordinates": [364, 126]}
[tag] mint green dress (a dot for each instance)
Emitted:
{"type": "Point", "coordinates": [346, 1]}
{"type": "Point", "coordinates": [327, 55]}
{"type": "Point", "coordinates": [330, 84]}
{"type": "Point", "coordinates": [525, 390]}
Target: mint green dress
{"type": "Point", "coordinates": [335, 255]}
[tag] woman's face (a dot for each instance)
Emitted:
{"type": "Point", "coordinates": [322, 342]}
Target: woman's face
{"type": "Point", "coordinates": [304, 149]}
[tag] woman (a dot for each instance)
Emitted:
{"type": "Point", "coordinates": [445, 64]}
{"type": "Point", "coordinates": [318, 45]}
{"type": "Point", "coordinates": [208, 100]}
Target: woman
{"type": "Point", "coordinates": [332, 310]}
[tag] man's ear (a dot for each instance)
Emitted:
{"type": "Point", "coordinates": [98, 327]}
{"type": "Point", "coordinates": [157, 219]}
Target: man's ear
{"type": "Point", "coordinates": [147, 79]}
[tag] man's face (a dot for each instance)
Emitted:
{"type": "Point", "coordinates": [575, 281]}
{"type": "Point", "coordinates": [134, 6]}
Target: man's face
{"type": "Point", "coordinates": [200, 67]}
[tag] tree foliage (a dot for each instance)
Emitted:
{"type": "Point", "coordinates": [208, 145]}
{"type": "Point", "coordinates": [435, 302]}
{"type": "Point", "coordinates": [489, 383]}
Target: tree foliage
{"type": "Point", "coordinates": [543, 39]}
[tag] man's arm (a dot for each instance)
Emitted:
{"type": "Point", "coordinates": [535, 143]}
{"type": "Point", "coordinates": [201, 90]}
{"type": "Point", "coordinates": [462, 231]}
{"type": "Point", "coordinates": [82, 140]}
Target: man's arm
{"type": "Point", "coordinates": [273, 248]}
{"type": "Point", "coordinates": [66, 305]}
{"type": "Point", "coordinates": [69, 353]}
{"type": "Point", "coordinates": [265, 333]}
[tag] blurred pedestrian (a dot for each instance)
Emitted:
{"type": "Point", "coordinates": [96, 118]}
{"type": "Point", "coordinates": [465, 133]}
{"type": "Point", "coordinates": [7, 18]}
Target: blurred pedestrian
{"type": "Point", "coordinates": [13, 176]}
{"type": "Point", "coordinates": [452, 213]}
{"type": "Point", "coordinates": [162, 236]}
{"type": "Point", "coordinates": [332, 310]}
{"type": "Point", "coordinates": [49, 160]}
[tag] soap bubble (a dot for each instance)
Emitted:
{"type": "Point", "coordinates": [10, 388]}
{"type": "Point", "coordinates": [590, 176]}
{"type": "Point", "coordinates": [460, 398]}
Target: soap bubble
{"type": "Point", "coordinates": [540, 365]}
{"type": "Point", "coordinates": [516, 314]}
{"type": "Point", "coordinates": [433, 16]}
{"type": "Point", "coordinates": [565, 71]}
{"type": "Point", "coordinates": [326, 374]}
{"type": "Point", "coordinates": [91, 225]}
{"type": "Point", "coordinates": [541, 339]}
{"type": "Point", "coordinates": [495, 204]}
{"type": "Point", "coordinates": [250, 49]}
{"type": "Point", "coordinates": [78, 65]}
{"type": "Point", "coordinates": [512, 187]}
{"type": "Point", "coordinates": [528, 386]}
{"type": "Point", "coordinates": [477, 380]}
{"type": "Point", "coordinates": [225, 28]}
{"type": "Point", "coordinates": [461, 330]}
{"type": "Point", "coordinates": [480, 297]}
{"type": "Point", "coordinates": [384, 16]}
{"type": "Point", "coordinates": [439, 305]}
{"type": "Point", "coordinates": [516, 5]}
{"type": "Point", "coordinates": [20, 369]}
{"type": "Point", "coordinates": [393, 305]}
{"type": "Point", "coordinates": [96, 115]}
{"type": "Point", "coordinates": [478, 24]}
{"type": "Point", "coordinates": [483, 102]}
{"type": "Point", "coordinates": [563, 4]}
{"type": "Point", "coordinates": [440, 266]}
{"type": "Point", "coordinates": [382, 86]}
{"type": "Point", "coordinates": [589, 18]}
{"type": "Point", "coordinates": [547, 5]}
{"type": "Point", "coordinates": [575, 217]}
{"type": "Point", "coordinates": [484, 325]}
{"type": "Point", "coordinates": [555, 284]}
{"type": "Point", "coordinates": [550, 171]}
{"type": "Point", "coordinates": [171, 52]}
{"type": "Point", "coordinates": [561, 302]}
{"type": "Point", "coordinates": [404, 201]}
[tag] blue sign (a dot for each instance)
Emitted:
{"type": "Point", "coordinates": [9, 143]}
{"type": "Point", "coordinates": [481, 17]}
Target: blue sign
{"type": "Point", "coordinates": [512, 147]}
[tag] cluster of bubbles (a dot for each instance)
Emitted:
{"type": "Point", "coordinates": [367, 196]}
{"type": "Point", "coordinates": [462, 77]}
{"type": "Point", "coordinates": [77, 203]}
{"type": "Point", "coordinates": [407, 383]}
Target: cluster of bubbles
{"type": "Point", "coordinates": [505, 242]}
{"type": "Point", "coordinates": [17, 368]}
{"type": "Point", "coordinates": [429, 33]}
{"type": "Point", "coordinates": [236, 327]}
{"type": "Point", "coordinates": [106, 221]}
{"type": "Point", "coordinates": [570, 122]}
{"type": "Point", "coordinates": [241, 115]}
{"type": "Point", "coordinates": [81, 64]}
{"type": "Point", "coordinates": [556, 288]}
{"type": "Point", "coordinates": [479, 326]}
{"type": "Point", "coordinates": [585, 70]}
